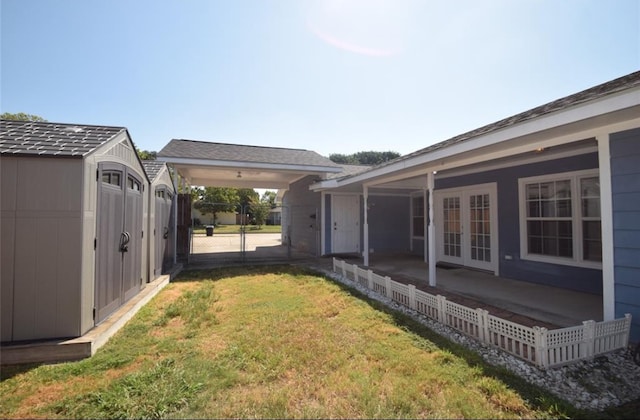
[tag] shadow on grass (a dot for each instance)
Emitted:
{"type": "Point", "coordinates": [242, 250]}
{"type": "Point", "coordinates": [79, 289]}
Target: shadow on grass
{"type": "Point", "coordinates": [9, 371]}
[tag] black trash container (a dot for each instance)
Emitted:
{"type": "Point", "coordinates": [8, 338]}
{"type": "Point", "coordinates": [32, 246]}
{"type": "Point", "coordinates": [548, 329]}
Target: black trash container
{"type": "Point", "coordinates": [209, 230]}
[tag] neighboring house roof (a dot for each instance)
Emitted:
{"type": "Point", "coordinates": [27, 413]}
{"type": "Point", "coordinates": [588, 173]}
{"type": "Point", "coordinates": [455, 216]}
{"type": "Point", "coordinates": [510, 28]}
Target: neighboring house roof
{"type": "Point", "coordinates": [597, 92]}
{"type": "Point", "coordinates": [193, 149]}
{"type": "Point", "coordinates": [153, 168]}
{"type": "Point", "coordinates": [348, 170]}
{"type": "Point", "coordinates": [36, 138]}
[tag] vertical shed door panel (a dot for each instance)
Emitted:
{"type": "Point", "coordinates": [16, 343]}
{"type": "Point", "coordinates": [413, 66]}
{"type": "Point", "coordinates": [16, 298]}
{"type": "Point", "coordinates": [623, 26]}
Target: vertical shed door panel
{"type": "Point", "coordinates": [108, 257]}
{"type": "Point", "coordinates": [159, 241]}
{"type": "Point", "coordinates": [132, 275]}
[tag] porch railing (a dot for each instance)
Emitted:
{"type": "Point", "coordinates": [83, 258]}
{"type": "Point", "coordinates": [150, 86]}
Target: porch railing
{"type": "Point", "coordinates": [538, 345]}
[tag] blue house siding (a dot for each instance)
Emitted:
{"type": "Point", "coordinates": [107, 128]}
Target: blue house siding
{"type": "Point", "coordinates": [388, 223]}
{"type": "Point", "coordinates": [625, 188]}
{"type": "Point", "coordinates": [574, 278]}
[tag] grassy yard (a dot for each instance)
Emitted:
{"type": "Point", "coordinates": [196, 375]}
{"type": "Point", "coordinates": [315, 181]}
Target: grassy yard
{"type": "Point", "coordinates": [275, 342]}
{"type": "Point", "coordinates": [236, 229]}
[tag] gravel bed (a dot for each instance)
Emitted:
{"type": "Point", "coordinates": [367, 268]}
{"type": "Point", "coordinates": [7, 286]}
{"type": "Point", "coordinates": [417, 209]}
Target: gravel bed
{"type": "Point", "coordinates": [605, 381]}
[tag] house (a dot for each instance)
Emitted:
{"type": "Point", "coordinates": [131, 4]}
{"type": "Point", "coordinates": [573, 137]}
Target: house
{"type": "Point", "coordinates": [74, 227]}
{"type": "Point", "coordinates": [162, 236]}
{"type": "Point", "coordinates": [549, 196]}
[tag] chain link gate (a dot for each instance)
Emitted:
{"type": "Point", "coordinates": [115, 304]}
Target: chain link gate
{"type": "Point", "coordinates": [216, 240]}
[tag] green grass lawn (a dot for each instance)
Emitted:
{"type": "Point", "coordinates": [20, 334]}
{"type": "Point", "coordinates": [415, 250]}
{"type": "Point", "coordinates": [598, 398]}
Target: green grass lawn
{"type": "Point", "coordinates": [236, 229]}
{"type": "Point", "coordinates": [272, 342]}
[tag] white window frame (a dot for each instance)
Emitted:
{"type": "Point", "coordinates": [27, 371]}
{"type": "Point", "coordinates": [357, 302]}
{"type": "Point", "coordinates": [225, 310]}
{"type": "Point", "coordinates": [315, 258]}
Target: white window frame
{"type": "Point", "coordinates": [413, 216]}
{"type": "Point", "coordinates": [576, 218]}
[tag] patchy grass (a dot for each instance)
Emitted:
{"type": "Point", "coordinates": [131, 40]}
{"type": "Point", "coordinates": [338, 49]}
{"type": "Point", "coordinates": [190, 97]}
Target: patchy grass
{"type": "Point", "coordinates": [274, 342]}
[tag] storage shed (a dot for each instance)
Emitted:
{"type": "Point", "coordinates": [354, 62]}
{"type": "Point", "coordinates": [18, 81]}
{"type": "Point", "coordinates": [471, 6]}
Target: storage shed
{"type": "Point", "coordinates": [73, 201]}
{"type": "Point", "coordinates": [161, 238]}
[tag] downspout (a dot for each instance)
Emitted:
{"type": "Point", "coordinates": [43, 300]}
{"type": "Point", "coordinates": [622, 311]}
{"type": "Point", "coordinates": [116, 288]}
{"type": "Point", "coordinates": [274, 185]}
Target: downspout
{"type": "Point", "coordinates": [606, 217]}
{"type": "Point", "coordinates": [365, 252]}
{"type": "Point", "coordinates": [431, 233]}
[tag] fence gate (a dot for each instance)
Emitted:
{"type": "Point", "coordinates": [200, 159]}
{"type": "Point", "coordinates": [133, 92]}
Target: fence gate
{"type": "Point", "coordinates": [260, 233]}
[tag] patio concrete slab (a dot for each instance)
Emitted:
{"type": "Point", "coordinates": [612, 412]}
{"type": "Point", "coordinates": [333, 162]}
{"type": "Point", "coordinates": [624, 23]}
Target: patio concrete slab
{"type": "Point", "coordinates": [552, 305]}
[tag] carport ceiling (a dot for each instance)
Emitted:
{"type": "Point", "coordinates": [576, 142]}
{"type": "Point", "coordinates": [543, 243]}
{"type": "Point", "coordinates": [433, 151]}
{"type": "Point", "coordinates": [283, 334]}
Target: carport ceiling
{"type": "Point", "coordinates": [240, 166]}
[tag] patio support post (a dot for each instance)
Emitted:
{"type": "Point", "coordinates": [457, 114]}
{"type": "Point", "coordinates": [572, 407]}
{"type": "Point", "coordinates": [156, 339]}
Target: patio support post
{"type": "Point", "coordinates": [425, 228]}
{"type": "Point", "coordinates": [431, 234]}
{"type": "Point", "coordinates": [606, 215]}
{"type": "Point", "coordinates": [174, 209]}
{"type": "Point", "coordinates": [365, 252]}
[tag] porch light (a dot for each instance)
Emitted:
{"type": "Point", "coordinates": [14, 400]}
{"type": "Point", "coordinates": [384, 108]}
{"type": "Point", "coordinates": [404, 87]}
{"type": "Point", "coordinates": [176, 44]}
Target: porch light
{"type": "Point", "coordinates": [540, 150]}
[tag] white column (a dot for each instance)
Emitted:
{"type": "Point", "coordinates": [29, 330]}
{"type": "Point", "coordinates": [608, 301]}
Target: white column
{"type": "Point", "coordinates": [365, 252]}
{"type": "Point", "coordinates": [431, 233]}
{"type": "Point", "coordinates": [606, 216]}
{"type": "Point", "coordinates": [175, 216]}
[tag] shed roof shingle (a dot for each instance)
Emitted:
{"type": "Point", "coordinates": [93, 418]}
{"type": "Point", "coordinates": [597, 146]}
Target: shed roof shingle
{"type": "Point", "coordinates": [52, 139]}
{"type": "Point", "coordinates": [153, 168]}
{"type": "Point", "coordinates": [194, 149]}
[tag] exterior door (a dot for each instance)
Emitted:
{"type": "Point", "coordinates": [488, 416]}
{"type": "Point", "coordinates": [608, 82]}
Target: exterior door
{"type": "Point", "coordinates": [466, 222]}
{"type": "Point", "coordinates": [118, 238]}
{"type": "Point", "coordinates": [345, 215]}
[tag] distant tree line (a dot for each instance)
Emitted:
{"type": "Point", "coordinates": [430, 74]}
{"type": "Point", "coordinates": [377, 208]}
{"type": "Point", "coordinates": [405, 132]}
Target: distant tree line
{"type": "Point", "coordinates": [363, 158]}
{"type": "Point", "coordinates": [21, 116]}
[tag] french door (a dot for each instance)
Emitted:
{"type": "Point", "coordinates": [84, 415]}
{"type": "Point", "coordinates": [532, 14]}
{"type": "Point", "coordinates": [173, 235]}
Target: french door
{"type": "Point", "coordinates": [466, 226]}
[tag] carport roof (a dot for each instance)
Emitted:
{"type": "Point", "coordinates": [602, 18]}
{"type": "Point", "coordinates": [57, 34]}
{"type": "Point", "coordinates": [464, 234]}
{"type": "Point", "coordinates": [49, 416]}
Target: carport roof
{"type": "Point", "coordinates": [194, 149]}
{"type": "Point", "coordinates": [236, 165]}
{"type": "Point", "coordinates": [36, 138]}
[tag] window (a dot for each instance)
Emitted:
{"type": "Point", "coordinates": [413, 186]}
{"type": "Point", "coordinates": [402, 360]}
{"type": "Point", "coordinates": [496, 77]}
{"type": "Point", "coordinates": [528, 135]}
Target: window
{"type": "Point", "coordinates": [133, 184]}
{"type": "Point", "coordinates": [560, 218]}
{"type": "Point", "coordinates": [111, 177]}
{"type": "Point", "coordinates": [417, 212]}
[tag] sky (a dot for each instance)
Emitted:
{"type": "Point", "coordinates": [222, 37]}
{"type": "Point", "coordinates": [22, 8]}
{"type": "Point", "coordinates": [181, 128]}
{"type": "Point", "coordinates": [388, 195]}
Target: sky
{"type": "Point", "coordinates": [324, 75]}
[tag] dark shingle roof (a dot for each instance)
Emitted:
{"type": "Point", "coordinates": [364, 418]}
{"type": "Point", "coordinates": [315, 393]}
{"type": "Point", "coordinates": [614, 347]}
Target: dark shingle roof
{"type": "Point", "coordinates": [193, 149]}
{"type": "Point", "coordinates": [153, 168]}
{"type": "Point", "coordinates": [52, 139]}
{"type": "Point", "coordinates": [600, 91]}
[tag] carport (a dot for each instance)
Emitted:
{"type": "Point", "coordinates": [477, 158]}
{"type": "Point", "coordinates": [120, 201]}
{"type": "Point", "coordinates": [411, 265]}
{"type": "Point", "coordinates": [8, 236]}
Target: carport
{"type": "Point", "coordinates": [289, 171]}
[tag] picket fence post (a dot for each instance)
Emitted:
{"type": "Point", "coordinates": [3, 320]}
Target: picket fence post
{"type": "Point", "coordinates": [540, 339]}
{"type": "Point", "coordinates": [370, 279]}
{"type": "Point", "coordinates": [344, 269]}
{"type": "Point", "coordinates": [387, 285]}
{"type": "Point", "coordinates": [412, 297]}
{"type": "Point", "coordinates": [442, 307]}
{"type": "Point", "coordinates": [588, 338]}
{"type": "Point", "coordinates": [483, 319]}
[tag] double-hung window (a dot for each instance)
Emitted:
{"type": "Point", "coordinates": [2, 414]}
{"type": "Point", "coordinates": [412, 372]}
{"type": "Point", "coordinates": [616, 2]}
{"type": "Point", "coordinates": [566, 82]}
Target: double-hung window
{"type": "Point", "coordinates": [417, 213]}
{"type": "Point", "coordinates": [560, 219]}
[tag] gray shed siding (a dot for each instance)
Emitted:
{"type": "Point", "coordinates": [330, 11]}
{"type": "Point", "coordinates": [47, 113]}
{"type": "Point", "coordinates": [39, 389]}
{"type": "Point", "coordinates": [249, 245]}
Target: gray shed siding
{"type": "Point", "coordinates": [574, 278]}
{"type": "Point", "coordinates": [625, 187]}
{"type": "Point", "coordinates": [301, 209]}
{"type": "Point", "coordinates": [41, 247]}
{"type": "Point", "coordinates": [389, 223]}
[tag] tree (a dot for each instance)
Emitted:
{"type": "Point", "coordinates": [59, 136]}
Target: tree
{"type": "Point", "coordinates": [260, 209]}
{"type": "Point", "coordinates": [364, 158]}
{"type": "Point", "coordinates": [146, 154]}
{"type": "Point", "coordinates": [269, 197]}
{"type": "Point", "coordinates": [214, 200]}
{"type": "Point", "coordinates": [21, 116]}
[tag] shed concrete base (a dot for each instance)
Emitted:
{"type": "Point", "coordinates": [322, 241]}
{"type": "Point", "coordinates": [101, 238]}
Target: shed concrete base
{"type": "Point", "coordinates": [55, 351]}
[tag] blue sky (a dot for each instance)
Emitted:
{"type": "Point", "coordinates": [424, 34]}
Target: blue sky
{"type": "Point", "coordinates": [330, 76]}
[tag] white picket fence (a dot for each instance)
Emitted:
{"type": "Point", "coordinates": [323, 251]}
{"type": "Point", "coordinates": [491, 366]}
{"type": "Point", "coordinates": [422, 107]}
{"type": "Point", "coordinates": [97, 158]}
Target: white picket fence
{"type": "Point", "coordinates": [537, 345]}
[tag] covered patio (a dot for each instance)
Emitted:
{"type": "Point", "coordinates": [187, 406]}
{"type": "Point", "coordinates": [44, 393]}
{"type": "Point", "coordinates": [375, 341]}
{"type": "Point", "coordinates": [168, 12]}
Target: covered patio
{"type": "Point", "coordinates": [526, 303]}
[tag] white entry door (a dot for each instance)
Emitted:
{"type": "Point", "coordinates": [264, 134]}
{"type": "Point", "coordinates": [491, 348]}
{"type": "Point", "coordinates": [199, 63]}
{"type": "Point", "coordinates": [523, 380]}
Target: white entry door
{"type": "Point", "coordinates": [345, 223]}
{"type": "Point", "coordinates": [467, 229]}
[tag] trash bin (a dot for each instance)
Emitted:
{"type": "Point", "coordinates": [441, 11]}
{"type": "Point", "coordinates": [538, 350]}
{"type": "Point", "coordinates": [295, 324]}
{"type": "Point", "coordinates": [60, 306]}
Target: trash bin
{"type": "Point", "coordinates": [209, 230]}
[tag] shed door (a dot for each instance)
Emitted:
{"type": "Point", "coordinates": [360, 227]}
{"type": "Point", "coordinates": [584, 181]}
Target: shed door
{"type": "Point", "coordinates": [345, 212]}
{"type": "Point", "coordinates": [118, 238]}
{"type": "Point", "coordinates": [161, 228]}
